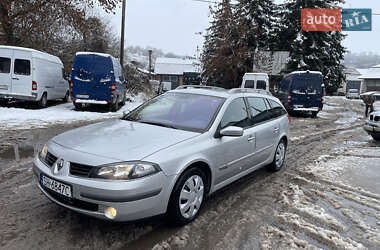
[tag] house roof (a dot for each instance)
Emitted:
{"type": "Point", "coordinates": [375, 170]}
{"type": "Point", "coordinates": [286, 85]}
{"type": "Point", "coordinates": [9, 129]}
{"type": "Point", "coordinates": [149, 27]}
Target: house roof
{"type": "Point", "coordinates": [174, 66]}
{"type": "Point", "coordinates": [372, 73]}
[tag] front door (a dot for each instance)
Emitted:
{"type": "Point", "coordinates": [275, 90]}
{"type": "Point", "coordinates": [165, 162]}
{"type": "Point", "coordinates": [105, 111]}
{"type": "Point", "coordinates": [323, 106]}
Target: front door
{"type": "Point", "coordinates": [22, 73]}
{"type": "Point", "coordinates": [5, 71]}
{"type": "Point", "coordinates": [234, 152]}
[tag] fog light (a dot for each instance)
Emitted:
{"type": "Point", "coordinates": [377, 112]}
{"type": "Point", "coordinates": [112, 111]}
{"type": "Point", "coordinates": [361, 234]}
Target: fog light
{"type": "Point", "coordinates": [110, 213]}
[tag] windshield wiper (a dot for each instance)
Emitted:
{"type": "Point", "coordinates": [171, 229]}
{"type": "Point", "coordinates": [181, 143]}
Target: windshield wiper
{"type": "Point", "coordinates": [158, 124]}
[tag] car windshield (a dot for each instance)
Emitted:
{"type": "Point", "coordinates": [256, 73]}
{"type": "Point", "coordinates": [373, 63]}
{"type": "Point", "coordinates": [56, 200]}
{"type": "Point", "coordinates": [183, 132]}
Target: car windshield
{"type": "Point", "coordinates": [190, 112]}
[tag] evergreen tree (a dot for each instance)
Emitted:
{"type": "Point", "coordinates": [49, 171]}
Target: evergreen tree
{"type": "Point", "coordinates": [232, 39]}
{"type": "Point", "coordinates": [316, 50]}
{"type": "Point", "coordinates": [219, 58]}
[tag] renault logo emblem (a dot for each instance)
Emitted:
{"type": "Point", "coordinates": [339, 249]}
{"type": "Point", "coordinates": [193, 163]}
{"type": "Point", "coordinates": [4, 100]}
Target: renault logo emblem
{"type": "Point", "coordinates": [57, 166]}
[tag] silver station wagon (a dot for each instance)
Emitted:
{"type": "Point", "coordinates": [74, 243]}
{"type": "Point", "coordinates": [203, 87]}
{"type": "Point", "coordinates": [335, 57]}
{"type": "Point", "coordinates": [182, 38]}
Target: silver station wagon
{"type": "Point", "coordinates": [165, 156]}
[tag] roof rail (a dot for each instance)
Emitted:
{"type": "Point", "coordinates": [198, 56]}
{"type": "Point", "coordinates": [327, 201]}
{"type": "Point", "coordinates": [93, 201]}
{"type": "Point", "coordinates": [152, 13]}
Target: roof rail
{"type": "Point", "coordinates": [199, 87]}
{"type": "Point", "coordinates": [248, 90]}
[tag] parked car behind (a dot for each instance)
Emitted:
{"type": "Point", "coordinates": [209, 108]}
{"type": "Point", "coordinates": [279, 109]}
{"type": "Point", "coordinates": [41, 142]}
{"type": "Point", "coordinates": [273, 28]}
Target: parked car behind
{"type": "Point", "coordinates": [353, 94]}
{"type": "Point", "coordinates": [166, 155]}
{"type": "Point", "coordinates": [372, 125]}
{"type": "Point", "coordinates": [255, 81]}
{"type": "Point", "coordinates": [31, 75]}
{"type": "Point", "coordinates": [302, 91]}
{"type": "Point", "coordinates": [97, 79]}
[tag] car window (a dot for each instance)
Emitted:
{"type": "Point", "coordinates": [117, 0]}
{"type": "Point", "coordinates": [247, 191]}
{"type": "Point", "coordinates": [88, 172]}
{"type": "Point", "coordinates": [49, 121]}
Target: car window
{"type": "Point", "coordinates": [258, 109]}
{"type": "Point", "coordinates": [276, 109]}
{"type": "Point", "coordinates": [22, 67]}
{"type": "Point", "coordinates": [235, 115]}
{"type": "Point", "coordinates": [261, 84]}
{"type": "Point", "coordinates": [5, 65]}
{"type": "Point", "coordinates": [249, 84]}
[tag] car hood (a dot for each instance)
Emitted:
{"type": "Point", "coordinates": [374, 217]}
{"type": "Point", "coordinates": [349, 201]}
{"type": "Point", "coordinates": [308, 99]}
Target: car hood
{"type": "Point", "coordinates": [122, 140]}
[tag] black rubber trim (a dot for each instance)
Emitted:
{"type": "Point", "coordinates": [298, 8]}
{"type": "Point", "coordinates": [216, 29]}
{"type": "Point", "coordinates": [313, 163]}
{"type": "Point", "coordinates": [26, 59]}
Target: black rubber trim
{"type": "Point", "coordinates": [122, 199]}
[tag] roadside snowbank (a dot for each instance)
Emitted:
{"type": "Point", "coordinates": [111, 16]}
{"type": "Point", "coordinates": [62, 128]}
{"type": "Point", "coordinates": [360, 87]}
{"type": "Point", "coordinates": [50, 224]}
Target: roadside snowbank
{"type": "Point", "coordinates": [20, 118]}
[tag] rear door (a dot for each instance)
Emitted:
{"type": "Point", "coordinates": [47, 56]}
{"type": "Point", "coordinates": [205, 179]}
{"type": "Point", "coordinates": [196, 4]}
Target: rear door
{"type": "Point", "coordinates": [306, 91]}
{"type": "Point", "coordinates": [5, 71]}
{"type": "Point", "coordinates": [92, 77]}
{"type": "Point", "coordinates": [22, 73]}
{"type": "Point", "coordinates": [265, 128]}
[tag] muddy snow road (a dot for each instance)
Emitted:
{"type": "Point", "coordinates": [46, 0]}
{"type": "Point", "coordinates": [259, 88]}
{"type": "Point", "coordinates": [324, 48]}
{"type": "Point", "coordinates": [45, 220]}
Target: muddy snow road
{"type": "Point", "coordinates": [327, 197]}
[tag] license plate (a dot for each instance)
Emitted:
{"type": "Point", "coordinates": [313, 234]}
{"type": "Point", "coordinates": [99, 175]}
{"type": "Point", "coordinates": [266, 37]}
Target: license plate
{"type": "Point", "coordinates": [82, 96]}
{"type": "Point", "coordinates": [56, 186]}
{"type": "Point", "coordinates": [298, 106]}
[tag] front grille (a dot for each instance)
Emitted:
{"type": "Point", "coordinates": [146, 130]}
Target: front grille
{"type": "Point", "coordinates": [377, 118]}
{"type": "Point", "coordinates": [80, 169]}
{"type": "Point", "coordinates": [50, 159]}
{"type": "Point", "coordinates": [73, 202]}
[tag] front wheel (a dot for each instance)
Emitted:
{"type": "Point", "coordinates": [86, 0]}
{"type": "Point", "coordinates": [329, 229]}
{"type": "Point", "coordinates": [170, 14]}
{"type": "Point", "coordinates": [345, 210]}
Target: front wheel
{"type": "Point", "coordinates": [187, 196]}
{"type": "Point", "coordinates": [279, 157]}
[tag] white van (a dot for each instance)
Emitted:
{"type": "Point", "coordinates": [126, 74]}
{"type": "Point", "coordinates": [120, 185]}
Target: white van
{"type": "Point", "coordinates": [32, 75]}
{"type": "Point", "coordinates": [255, 81]}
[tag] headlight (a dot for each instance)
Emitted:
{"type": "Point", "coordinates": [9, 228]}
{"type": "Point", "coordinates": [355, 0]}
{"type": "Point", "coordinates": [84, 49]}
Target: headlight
{"type": "Point", "coordinates": [125, 170]}
{"type": "Point", "coordinates": [43, 152]}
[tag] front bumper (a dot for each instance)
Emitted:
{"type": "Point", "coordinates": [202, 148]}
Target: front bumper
{"type": "Point", "coordinates": [372, 128]}
{"type": "Point", "coordinates": [133, 200]}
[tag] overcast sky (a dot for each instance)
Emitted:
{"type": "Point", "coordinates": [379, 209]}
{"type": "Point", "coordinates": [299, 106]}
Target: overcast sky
{"type": "Point", "coordinates": [171, 25]}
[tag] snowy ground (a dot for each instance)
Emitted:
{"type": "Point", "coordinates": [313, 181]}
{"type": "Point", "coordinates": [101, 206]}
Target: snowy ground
{"type": "Point", "coordinates": [327, 197]}
{"type": "Point", "coordinates": [15, 118]}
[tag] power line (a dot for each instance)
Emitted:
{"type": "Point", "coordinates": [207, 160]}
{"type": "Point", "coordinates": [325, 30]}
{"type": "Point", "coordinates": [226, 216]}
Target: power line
{"type": "Point", "coordinates": [205, 1]}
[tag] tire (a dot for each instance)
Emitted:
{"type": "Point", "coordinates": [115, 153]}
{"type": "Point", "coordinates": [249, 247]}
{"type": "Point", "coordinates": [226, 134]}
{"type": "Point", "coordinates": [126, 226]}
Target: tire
{"type": "Point", "coordinates": [42, 103]}
{"type": "Point", "coordinates": [67, 97]}
{"type": "Point", "coordinates": [78, 106]}
{"type": "Point", "coordinates": [3, 102]}
{"type": "Point", "coordinates": [314, 114]}
{"type": "Point", "coordinates": [124, 99]}
{"type": "Point", "coordinates": [279, 157]}
{"type": "Point", "coordinates": [115, 106]}
{"type": "Point", "coordinates": [376, 137]}
{"type": "Point", "coordinates": [181, 212]}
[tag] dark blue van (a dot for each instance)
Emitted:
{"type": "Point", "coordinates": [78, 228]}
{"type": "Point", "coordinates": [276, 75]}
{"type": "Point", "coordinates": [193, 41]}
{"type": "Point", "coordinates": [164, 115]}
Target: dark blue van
{"type": "Point", "coordinates": [302, 91]}
{"type": "Point", "coordinates": [97, 79]}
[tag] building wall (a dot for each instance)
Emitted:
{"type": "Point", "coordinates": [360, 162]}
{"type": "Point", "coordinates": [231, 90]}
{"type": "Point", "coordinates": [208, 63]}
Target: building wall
{"type": "Point", "coordinates": [370, 85]}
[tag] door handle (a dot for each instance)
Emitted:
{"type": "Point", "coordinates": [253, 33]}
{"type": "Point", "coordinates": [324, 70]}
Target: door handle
{"type": "Point", "coordinates": [15, 78]}
{"type": "Point", "coordinates": [251, 138]}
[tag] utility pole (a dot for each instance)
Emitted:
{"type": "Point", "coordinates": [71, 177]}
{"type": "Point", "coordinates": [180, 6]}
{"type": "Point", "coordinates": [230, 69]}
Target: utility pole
{"type": "Point", "coordinates": [122, 35]}
{"type": "Point", "coordinates": [150, 63]}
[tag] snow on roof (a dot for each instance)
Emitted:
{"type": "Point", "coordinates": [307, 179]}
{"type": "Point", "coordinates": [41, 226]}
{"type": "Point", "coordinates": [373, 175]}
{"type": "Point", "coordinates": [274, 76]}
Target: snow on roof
{"type": "Point", "coordinates": [174, 66]}
{"type": "Point", "coordinates": [362, 71]}
{"type": "Point", "coordinates": [35, 53]}
{"type": "Point", "coordinates": [93, 53]}
{"type": "Point", "coordinates": [372, 73]}
{"type": "Point", "coordinates": [302, 72]}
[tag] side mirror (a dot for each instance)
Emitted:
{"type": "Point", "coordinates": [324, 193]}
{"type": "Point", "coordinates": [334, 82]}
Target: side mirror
{"type": "Point", "coordinates": [232, 131]}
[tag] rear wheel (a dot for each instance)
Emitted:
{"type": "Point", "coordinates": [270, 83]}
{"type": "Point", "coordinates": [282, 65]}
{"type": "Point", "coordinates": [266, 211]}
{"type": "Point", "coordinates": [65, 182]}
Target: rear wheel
{"type": "Point", "coordinates": [314, 114]}
{"type": "Point", "coordinates": [124, 99]}
{"type": "Point", "coordinates": [3, 102]}
{"type": "Point", "coordinates": [67, 97]}
{"type": "Point", "coordinates": [115, 106]}
{"type": "Point", "coordinates": [187, 197]}
{"type": "Point", "coordinates": [279, 157]}
{"type": "Point", "coordinates": [43, 101]}
{"type": "Point", "coordinates": [78, 106]}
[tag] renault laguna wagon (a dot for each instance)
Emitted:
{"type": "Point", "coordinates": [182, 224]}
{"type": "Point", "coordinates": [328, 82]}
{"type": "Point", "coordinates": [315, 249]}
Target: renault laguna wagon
{"type": "Point", "coordinates": [165, 156]}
